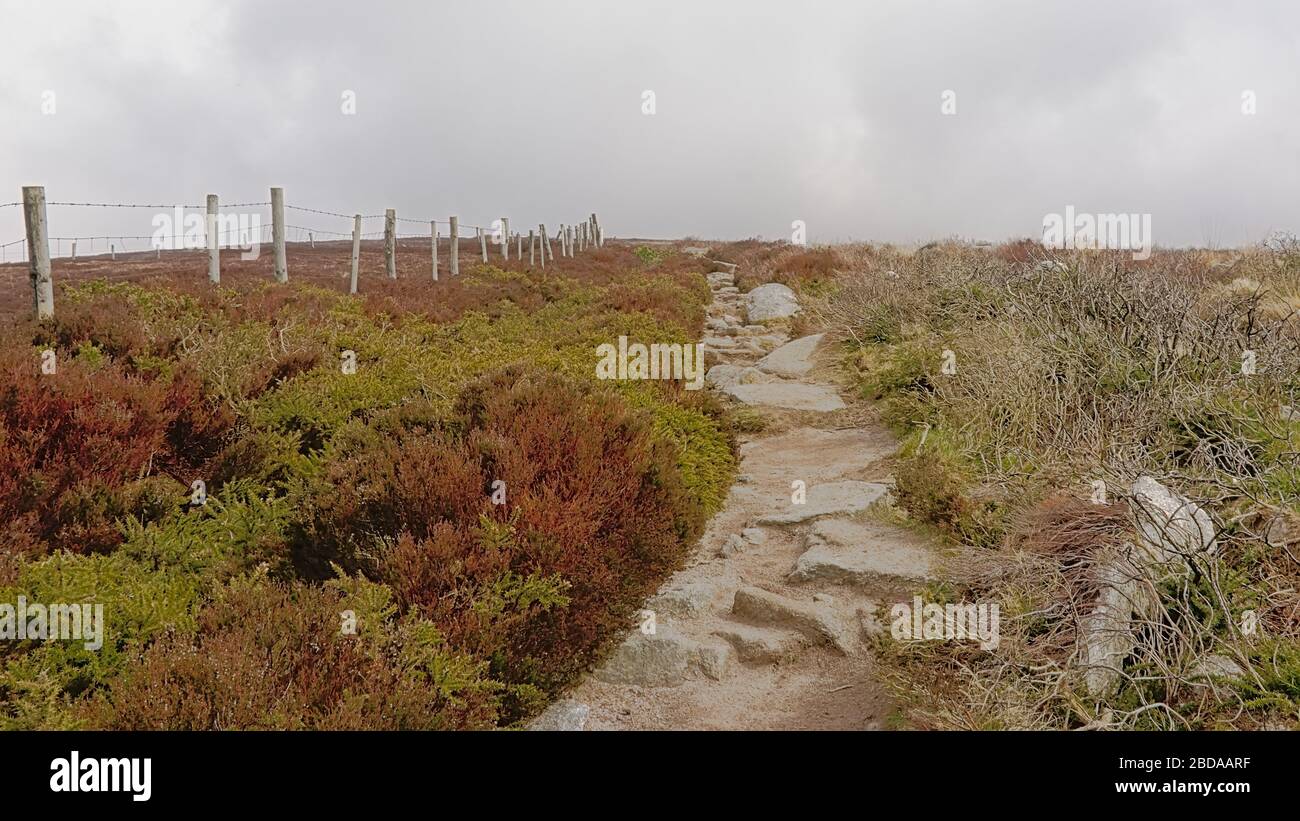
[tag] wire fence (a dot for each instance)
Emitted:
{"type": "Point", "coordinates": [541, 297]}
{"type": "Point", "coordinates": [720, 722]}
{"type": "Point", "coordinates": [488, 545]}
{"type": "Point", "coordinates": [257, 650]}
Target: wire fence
{"type": "Point", "coordinates": [215, 226]}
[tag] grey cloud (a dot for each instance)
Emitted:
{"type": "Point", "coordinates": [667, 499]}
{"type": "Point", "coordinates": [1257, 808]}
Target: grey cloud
{"type": "Point", "coordinates": [767, 112]}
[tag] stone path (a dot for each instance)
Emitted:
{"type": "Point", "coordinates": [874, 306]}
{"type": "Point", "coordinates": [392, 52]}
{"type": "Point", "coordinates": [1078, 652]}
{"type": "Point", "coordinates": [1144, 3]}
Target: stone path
{"type": "Point", "coordinates": [766, 628]}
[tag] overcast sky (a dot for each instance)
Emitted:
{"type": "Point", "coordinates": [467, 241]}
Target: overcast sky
{"type": "Point", "coordinates": [764, 113]}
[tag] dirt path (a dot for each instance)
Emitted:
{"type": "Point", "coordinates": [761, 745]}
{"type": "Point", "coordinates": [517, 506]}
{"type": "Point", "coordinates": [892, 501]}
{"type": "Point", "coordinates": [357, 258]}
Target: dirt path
{"type": "Point", "coordinates": [766, 627]}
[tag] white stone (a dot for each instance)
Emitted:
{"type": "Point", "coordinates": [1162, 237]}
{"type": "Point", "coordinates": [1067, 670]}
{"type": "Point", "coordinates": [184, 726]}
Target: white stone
{"type": "Point", "coordinates": [1172, 527]}
{"type": "Point", "coordinates": [565, 715]}
{"type": "Point", "coordinates": [771, 301]}
{"type": "Point", "coordinates": [1106, 633]}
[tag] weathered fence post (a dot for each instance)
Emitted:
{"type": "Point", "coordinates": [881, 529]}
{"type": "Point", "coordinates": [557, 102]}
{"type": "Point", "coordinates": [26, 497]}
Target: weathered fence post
{"type": "Point", "coordinates": [277, 235]}
{"type": "Point", "coordinates": [38, 254]}
{"type": "Point", "coordinates": [595, 226]}
{"type": "Point", "coordinates": [455, 246]}
{"type": "Point", "coordinates": [214, 242]}
{"type": "Point", "coordinates": [532, 247]}
{"type": "Point", "coordinates": [112, 253]}
{"type": "Point", "coordinates": [544, 242]}
{"type": "Point", "coordinates": [505, 238]}
{"type": "Point", "coordinates": [433, 230]}
{"type": "Point", "coordinates": [390, 243]}
{"type": "Point", "coordinates": [311, 239]}
{"type": "Point", "coordinates": [356, 252]}
{"type": "Point", "coordinates": [482, 242]}
{"type": "Point", "coordinates": [519, 247]}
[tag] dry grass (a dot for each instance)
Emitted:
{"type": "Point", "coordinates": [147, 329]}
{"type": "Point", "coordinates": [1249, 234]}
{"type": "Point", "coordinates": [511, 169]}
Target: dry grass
{"type": "Point", "coordinates": [1073, 368]}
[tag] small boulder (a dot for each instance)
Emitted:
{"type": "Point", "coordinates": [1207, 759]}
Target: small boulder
{"type": "Point", "coordinates": [792, 360]}
{"type": "Point", "coordinates": [565, 715]}
{"type": "Point", "coordinates": [715, 660]}
{"type": "Point", "coordinates": [1215, 666]}
{"type": "Point", "coordinates": [815, 620]}
{"type": "Point", "coordinates": [771, 301]}
{"type": "Point", "coordinates": [1173, 528]}
{"type": "Point", "coordinates": [659, 660]}
{"type": "Point", "coordinates": [754, 535]}
{"type": "Point", "coordinates": [760, 645]}
{"type": "Point", "coordinates": [734, 544]}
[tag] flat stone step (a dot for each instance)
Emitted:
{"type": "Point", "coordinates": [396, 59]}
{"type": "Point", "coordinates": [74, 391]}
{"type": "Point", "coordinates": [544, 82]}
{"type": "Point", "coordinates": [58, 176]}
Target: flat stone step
{"type": "Point", "coordinates": [854, 553]}
{"type": "Point", "coordinates": [761, 645]}
{"type": "Point", "coordinates": [828, 499]}
{"type": "Point", "coordinates": [815, 620]}
{"type": "Point", "coordinates": [789, 395]}
{"type": "Point", "coordinates": [665, 658]}
{"type": "Point", "coordinates": [792, 360]}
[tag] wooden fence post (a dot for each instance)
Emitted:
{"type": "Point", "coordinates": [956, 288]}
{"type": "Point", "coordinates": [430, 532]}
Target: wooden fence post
{"type": "Point", "coordinates": [595, 226]}
{"type": "Point", "coordinates": [505, 238]}
{"type": "Point", "coordinates": [519, 247]}
{"type": "Point", "coordinates": [356, 252]}
{"type": "Point", "coordinates": [390, 243]}
{"type": "Point", "coordinates": [38, 251]}
{"type": "Point", "coordinates": [455, 246]}
{"type": "Point", "coordinates": [532, 247]}
{"type": "Point", "coordinates": [482, 242]}
{"type": "Point", "coordinates": [544, 242]}
{"type": "Point", "coordinates": [214, 242]}
{"type": "Point", "coordinates": [277, 235]}
{"type": "Point", "coordinates": [433, 229]}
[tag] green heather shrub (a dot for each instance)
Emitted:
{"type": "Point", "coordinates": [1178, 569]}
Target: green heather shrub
{"type": "Point", "coordinates": [328, 492]}
{"type": "Point", "coordinates": [273, 656]}
{"type": "Point", "coordinates": [140, 602]}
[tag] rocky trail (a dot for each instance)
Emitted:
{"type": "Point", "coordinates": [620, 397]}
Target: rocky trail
{"type": "Point", "coordinates": [767, 625]}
